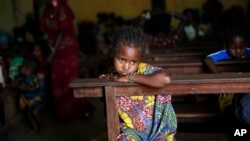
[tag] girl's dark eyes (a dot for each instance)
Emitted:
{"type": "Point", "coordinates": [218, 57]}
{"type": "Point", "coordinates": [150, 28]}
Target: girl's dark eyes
{"type": "Point", "coordinates": [133, 62]}
{"type": "Point", "coordinates": [122, 60]}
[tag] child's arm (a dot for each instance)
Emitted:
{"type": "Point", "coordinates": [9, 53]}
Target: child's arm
{"type": "Point", "coordinates": [211, 65]}
{"type": "Point", "coordinates": [28, 88]}
{"type": "Point", "coordinates": [158, 79]}
{"type": "Point", "coordinates": [31, 87]}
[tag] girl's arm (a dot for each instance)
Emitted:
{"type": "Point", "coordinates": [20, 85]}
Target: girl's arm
{"type": "Point", "coordinates": [158, 79]}
{"type": "Point", "coordinates": [211, 65]}
{"type": "Point", "coordinates": [28, 88]}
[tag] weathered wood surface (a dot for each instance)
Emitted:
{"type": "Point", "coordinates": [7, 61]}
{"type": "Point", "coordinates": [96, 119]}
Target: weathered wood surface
{"type": "Point", "coordinates": [174, 54]}
{"type": "Point", "coordinates": [181, 84]}
{"type": "Point", "coordinates": [198, 67]}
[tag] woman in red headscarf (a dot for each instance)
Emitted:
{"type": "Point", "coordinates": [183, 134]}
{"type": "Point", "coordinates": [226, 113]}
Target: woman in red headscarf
{"type": "Point", "coordinates": [57, 23]}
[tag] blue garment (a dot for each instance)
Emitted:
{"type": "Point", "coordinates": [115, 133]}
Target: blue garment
{"type": "Point", "coordinates": [4, 38]}
{"type": "Point", "coordinates": [224, 55]}
{"type": "Point", "coordinates": [241, 106]}
{"type": "Point", "coordinates": [33, 81]}
{"type": "Point", "coordinates": [241, 102]}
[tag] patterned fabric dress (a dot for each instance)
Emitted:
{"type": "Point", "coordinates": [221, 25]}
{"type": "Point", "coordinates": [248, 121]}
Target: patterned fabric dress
{"type": "Point", "coordinates": [65, 62]}
{"type": "Point", "coordinates": [146, 118]}
{"type": "Point", "coordinates": [32, 81]}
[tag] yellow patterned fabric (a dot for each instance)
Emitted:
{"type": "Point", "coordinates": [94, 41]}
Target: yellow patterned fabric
{"type": "Point", "coordinates": [225, 100]}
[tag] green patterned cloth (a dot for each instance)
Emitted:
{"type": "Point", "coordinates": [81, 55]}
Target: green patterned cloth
{"type": "Point", "coordinates": [14, 68]}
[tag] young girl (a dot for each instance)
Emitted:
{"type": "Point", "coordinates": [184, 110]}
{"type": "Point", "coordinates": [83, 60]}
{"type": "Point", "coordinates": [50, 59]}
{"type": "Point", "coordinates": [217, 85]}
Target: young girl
{"type": "Point", "coordinates": [143, 118]}
{"type": "Point", "coordinates": [32, 92]}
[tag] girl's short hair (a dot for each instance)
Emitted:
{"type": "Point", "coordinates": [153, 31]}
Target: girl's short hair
{"type": "Point", "coordinates": [129, 36]}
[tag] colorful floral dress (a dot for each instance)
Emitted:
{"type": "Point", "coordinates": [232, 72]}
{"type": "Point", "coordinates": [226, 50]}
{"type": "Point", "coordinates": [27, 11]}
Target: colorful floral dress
{"type": "Point", "coordinates": [146, 118]}
{"type": "Point", "coordinates": [26, 96]}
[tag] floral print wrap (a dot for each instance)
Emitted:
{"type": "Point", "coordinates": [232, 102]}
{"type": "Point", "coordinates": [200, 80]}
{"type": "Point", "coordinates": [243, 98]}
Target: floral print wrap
{"type": "Point", "coordinates": [146, 118]}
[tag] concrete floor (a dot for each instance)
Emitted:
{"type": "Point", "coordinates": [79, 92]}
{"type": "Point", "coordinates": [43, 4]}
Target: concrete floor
{"type": "Point", "coordinates": [78, 130]}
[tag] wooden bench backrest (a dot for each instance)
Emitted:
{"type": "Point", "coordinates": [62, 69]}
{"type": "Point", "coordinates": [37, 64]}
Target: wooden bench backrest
{"type": "Point", "coordinates": [198, 67]}
{"type": "Point", "coordinates": [173, 54]}
{"type": "Point", "coordinates": [181, 84]}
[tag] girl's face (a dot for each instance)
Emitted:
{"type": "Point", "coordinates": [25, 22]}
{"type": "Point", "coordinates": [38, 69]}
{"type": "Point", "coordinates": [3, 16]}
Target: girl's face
{"type": "Point", "coordinates": [37, 51]}
{"type": "Point", "coordinates": [26, 71]}
{"type": "Point", "coordinates": [237, 47]}
{"type": "Point", "coordinates": [126, 60]}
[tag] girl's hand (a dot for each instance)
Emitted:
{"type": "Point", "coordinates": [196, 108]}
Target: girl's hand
{"type": "Point", "coordinates": [121, 79]}
{"type": "Point", "coordinates": [108, 76]}
{"type": "Point", "coordinates": [114, 77]}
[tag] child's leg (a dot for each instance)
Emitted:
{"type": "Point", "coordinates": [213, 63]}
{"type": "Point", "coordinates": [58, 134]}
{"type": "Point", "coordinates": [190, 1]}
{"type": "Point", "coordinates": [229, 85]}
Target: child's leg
{"type": "Point", "coordinates": [32, 121]}
{"type": "Point", "coordinates": [37, 118]}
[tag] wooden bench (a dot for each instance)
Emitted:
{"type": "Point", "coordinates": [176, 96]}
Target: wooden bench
{"type": "Point", "coordinates": [173, 54]}
{"type": "Point", "coordinates": [10, 104]}
{"type": "Point", "coordinates": [196, 112]}
{"type": "Point", "coordinates": [184, 49]}
{"type": "Point", "coordinates": [91, 64]}
{"type": "Point", "coordinates": [181, 84]}
{"type": "Point", "coordinates": [198, 67]}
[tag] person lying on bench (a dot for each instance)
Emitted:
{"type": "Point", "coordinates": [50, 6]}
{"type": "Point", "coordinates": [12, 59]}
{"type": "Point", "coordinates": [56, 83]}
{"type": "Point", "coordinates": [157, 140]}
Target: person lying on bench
{"type": "Point", "coordinates": [142, 117]}
{"type": "Point", "coordinates": [236, 48]}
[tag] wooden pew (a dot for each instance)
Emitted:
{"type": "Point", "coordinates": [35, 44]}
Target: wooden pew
{"type": "Point", "coordinates": [173, 54]}
{"type": "Point", "coordinates": [198, 67]}
{"type": "Point", "coordinates": [185, 110]}
{"type": "Point", "coordinates": [184, 49]}
{"type": "Point", "coordinates": [181, 84]}
{"type": "Point", "coordinates": [154, 57]}
{"type": "Point", "coordinates": [93, 63]}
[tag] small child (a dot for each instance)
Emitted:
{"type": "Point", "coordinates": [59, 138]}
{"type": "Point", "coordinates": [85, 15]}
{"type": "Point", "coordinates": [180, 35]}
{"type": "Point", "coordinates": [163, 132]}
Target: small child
{"type": "Point", "coordinates": [236, 48]}
{"type": "Point", "coordinates": [150, 117]}
{"type": "Point", "coordinates": [32, 92]}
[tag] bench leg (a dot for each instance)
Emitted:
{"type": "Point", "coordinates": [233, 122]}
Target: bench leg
{"type": "Point", "coordinates": [10, 111]}
{"type": "Point", "coordinates": [112, 114]}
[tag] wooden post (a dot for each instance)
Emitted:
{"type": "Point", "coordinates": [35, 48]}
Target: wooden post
{"type": "Point", "coordinates": [112, 114]}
